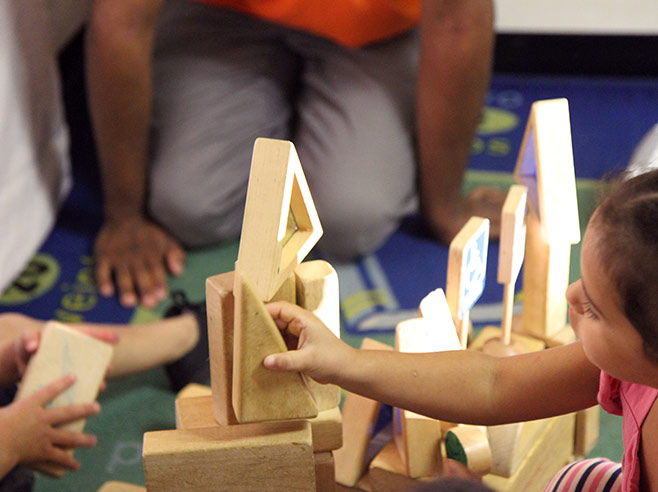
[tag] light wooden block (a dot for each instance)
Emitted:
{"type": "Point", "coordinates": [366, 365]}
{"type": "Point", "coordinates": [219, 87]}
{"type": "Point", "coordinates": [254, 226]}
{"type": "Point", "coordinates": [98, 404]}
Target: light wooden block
{"type": "Point", "coordinates": [418, 438]}
{"type": "Point", "coordinates": [587, 431]}
{"type": "Point", "coordinates": [258, 393]}
{"type": "Point", "coordinates": [545, 282]}
{"type": "Point", "coordinates": [220, 306]}
{"type": "Point", "coordinates": [510, 443]}
{"type": "Point", "coordinates": [359, 419]}
{"type": "Point", "coordinates": [273, 456]}
{"type": "Point", "coordinates": [317, 291]}
{"type": "Point", "coordinates": [194, 389]}
{"type": "Point", "coordinates": [418, 441]}
{"type": "Point", "coordinates": [387, 472]}
{"type": "Point", "coordinates": [550, 452]}
{"type": "Point", "coordinates": [512, 235]}
{"type": "Point", "coordinates": [435, 309]}
{"type": "Point", "coordinates": [469, 445]}
{"type": "Point", "coordinates": [115, 486]}
{"type": "Point", "coordinates": [466, 272]}
{"type": "Point", "coordinates": [326, 428]}
{"type": "Point", "coordinates": [280, 225]}
{"type": "Point", "coordinates": [324, 472]}
{"type": "Point", "coordinates": [545, 166]}
{"type": "Point", "coordinates": [63, 351]}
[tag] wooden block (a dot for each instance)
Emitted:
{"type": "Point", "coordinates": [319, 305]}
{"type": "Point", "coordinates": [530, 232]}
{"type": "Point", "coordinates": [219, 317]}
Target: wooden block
{"type": "Point", "coordinates": [528, 343]}
{"type": "Point", "coordinates": [510, 443]}
{"type": "Point", "coordinates": [545, 167]}
{"type": "Point", "coordinates": [121, 487]}
{"type": "Point", "coordinates": [63, 350]}
{"type": "Point", "coordinates": [324, 472]}
{"type": "Point", "coordinates": [359, 419]}
{"type": "Point", "coordinates": [545, 282]}
{"type": "Point", "coordinates": [326, 428]}
{"type": "Point", "coordinates": [194, 389]}
{"type": "Point", "coordinates": [417, 437]}
{"type": "Point", "coordinates": [587, 431]}
{"type": "Point", "coordinates": [418, 441]}
{"type": "Point", "coordinates": [550, 452]}
{"type": "Point", "coordinates": [220, 306]}
{"type": "Point", "coordinates": [467, 264]}
{"type": "Point", "coordinates": [280, 223]}
{"type": "Point", "coordinates": [434, 308]}
{"type": "Point", "coordinates": [387, 472]}
{"type": "Point", "coordinates": [512, 235]}
{"type": "Point", "coordinates": [258, 393]}
{"type": "Point", "coordinates": [273, 456]}
{"type": "Point", "coordinates": [317, 291]}
{"type": "Point", "coordinates": [287, 291]}
{"type": "Point", "coordinates": [469, 445]}
{"type": "Point", "coordinates": [363, 484]}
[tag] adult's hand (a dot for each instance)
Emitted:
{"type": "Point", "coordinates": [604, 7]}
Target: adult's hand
{"type": "Point", "coordinates": [446, 221]}
{"type": "Point", "coordinates": [138, 254]}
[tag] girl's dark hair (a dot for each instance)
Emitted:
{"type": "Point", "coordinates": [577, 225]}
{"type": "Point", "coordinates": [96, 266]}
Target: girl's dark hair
{"type": "Point", "coordinates": [628, 246]}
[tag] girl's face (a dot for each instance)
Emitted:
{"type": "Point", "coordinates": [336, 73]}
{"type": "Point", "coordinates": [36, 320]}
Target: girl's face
{"type": "Point", "coordinates": [609, 340]}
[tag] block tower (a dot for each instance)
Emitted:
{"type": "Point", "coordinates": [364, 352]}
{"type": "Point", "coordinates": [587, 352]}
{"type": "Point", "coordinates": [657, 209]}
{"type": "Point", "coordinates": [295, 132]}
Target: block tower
{"type": "Point", "coordinates": [258, 429]}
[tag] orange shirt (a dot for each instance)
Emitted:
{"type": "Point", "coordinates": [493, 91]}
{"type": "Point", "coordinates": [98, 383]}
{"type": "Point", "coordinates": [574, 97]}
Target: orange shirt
{"type": "Point", "coordinates": [351, 23]}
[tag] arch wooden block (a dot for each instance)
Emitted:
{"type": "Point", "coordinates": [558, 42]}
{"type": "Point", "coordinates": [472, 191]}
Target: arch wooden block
{"type": "Point", "coordinates": [272, 456]}
{"type": "Point", "coordinates": [258, 393]}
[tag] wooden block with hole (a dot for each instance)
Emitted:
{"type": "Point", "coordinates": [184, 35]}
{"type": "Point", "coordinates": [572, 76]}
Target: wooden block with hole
{"type": "Point", "coordinates": [326, 428]}
{"type": "Point", "coordinates": [359, 419]}
{"type": "Point", "coordinates": [115, 486]}
{"type": "Point", "coordinates": [552, 449]}
{"type": "Point", "coordinates": [317, 291]}
{"type": "Point", "coordinates": [272, 456]}
{"type": "Point", "coordinates": [280, 225]}
{"type": "Point", "coordinates": [258, 393]}
{"type": "Point", "coordinates": [388, 474]}
{"type": "Point", "coordinates": [220, 306]}
{"type": "Point", "coordinates": [64, 350]}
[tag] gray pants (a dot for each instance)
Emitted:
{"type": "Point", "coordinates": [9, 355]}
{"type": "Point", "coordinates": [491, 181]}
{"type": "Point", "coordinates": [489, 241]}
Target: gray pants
{"type": "Point", "coordinates": [223, 79]}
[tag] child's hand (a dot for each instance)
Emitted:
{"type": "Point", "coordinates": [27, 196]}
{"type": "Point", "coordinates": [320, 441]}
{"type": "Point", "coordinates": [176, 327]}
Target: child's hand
{"type": "Point", "coordinates": [29, 433]}
{"type": "Point", "coordinates": [320, 354]}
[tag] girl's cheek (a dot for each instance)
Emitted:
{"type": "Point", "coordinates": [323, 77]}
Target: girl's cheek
{"type": "Point", "coordinates": [573, 320]}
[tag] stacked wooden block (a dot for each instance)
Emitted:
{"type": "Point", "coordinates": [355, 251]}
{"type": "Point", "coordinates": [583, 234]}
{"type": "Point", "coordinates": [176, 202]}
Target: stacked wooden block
{"type": "Point", "coordinates": [258, 429]}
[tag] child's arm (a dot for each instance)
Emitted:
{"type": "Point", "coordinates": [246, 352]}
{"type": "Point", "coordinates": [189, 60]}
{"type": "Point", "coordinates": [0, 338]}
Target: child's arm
{"type": "Point", "coordinates": [464, 386]}
{"type": "Point", "coordinates": [29, 433]}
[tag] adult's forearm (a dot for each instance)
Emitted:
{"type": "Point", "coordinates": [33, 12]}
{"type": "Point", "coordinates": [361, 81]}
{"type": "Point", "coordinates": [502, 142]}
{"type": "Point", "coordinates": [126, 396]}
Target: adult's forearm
{"type": "Point", "coordinates": [118, 59]}
{"type": "Point", "coordinates": [457, 40]}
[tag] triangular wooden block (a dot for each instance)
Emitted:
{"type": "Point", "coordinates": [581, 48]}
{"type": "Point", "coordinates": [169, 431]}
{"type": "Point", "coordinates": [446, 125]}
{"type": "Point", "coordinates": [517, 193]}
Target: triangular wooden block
{"type": "Point", "coordinates": [258, 393]}
{"type": "Point", "coordinates": [280, 225]}
{"type": "Point", "coordinates": [545, 166]}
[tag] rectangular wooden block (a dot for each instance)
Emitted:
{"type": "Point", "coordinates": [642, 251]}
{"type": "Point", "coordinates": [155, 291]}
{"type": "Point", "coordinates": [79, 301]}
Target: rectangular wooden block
{"type": "Point", "coordinates": [510, 443]}
{"type": "Point", "coordinates": [317, 291]}
{"type": "Point", "coordinates": [114, 486]}
{"type": "Point", "coordinates": [220, 307]}
{"type": "Point", "coordinates": [359, 419]}
{"type": "Point", "coordinates": [324, 472]}
{"type": "Point", "coordinates": [63, 351]}
{"type": "Point", "coordinates": [388, 474]}
{"type": "Point", "coordinates": [552, 449]}
{"type": "Point", "coordinates": [274, 456]}
{"type": "Point", "coordinates": [418, 441]}
{"type": "Point", "coordinates": [587, 431]}
{"type": "Point", "coordinates": [326, 428]}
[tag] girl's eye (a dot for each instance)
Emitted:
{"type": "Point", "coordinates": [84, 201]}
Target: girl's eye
{"type": "Point", "coordinates": [589, 312]}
